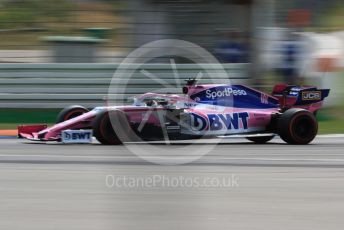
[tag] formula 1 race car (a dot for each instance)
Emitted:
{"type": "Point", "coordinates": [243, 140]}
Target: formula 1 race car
{"type": "Point", "coordinates": [203, 111]}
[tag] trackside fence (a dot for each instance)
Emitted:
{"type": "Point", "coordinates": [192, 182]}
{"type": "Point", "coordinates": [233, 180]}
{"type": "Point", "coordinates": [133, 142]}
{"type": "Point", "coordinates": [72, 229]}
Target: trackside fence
{"type": "Point", "coordinates": [58, 85]}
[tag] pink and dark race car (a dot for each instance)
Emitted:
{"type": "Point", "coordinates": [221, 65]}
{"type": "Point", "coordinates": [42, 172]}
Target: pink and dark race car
{"type": "Point", "coordinates": [204, 111]}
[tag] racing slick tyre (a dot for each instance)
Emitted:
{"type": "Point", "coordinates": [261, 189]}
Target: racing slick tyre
{"type": "Point", "coordinates": [260, 140]}
{"type": "Point", "coordinates": [70, 112]}
{"type": "Point", "coordinates": [297, 126]}
{"type": "Point", "coordinates": [104, 132]}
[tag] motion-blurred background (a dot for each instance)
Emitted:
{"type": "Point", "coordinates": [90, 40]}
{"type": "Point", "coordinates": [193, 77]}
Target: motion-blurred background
{"type": "Point", "coordinates": [59, 52]}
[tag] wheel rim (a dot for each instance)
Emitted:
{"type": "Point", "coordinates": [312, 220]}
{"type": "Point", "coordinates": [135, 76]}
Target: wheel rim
{"type": "Point", "coordinates": [303, 128]}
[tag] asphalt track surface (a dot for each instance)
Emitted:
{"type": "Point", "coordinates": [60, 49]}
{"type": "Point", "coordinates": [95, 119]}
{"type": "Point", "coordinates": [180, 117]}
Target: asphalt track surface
{"type": "Point", "coordinates": [273, 186]}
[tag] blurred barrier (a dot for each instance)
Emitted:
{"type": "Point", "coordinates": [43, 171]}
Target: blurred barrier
{"type": "Point", "coordinates": [58, 85]}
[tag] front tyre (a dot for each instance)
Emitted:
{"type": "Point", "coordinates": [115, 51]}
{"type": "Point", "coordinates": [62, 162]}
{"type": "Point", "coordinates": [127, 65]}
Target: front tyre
{"type": "Point", "coordinates": [297, 126]}
{"type": "Point", "coordinates": [260, 140]}
{"type": "Point", "coordinates": [103, 130]}
{"type": "Point", "coordinates": [70, 112]}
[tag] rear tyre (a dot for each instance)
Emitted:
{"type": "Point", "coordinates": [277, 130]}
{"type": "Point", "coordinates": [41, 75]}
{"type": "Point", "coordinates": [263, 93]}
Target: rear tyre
{"type": "Point", "coordinates": [297, 126]}
{"type": "Point", "coordinates": [70, 112]}
{"type": "Point", "coordinates": [260, 140]}
{"type": "Point", "coordinates": [103, 130]}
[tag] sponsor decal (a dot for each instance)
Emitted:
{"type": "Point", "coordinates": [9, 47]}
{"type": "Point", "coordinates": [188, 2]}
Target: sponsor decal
{"type": "Point", "coordinates": [198, 123]}
{"type": "Point", "coordinates": [77, 136]}
{"type": "Point", "coordinates": [295, 89]}
{"type": "Point", "coordinates": [188, 104]}
{"type": "Point", "coordinates": [226, 92]}
{"type": "Point", "coordinates": [219, 121]}
{"type": "Point", "coordinates": [197, 99]}
{"type": "Point", "coordinates": [311, 95]}
{"type": "Point", "coordinates": [293, 93]}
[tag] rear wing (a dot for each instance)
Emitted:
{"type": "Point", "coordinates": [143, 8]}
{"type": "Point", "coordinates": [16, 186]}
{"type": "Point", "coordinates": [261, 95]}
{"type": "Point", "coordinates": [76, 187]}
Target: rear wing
{"type": "Point", "coordinates": [308, 97]}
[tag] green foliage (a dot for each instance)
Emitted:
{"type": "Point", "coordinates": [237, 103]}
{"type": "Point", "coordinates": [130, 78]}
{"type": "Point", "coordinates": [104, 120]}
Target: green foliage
{"type": "Point", "coordinates": [30, 13]}
{"type": "Point", "coordinates": [334, 19]}
{"type": "Point", "coordinates": [14, 116]}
